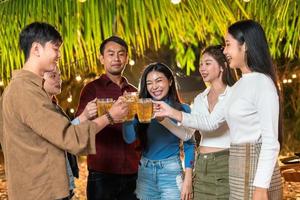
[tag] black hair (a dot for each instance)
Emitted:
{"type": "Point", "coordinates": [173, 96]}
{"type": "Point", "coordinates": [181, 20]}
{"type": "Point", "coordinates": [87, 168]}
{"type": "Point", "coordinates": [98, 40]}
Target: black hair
{"type": "Point", "coordinates": [38, 32]}
{"type": "Point", "coordinates": [172, 96]}
{"type": "Point", "coordinates": [228, 77]}
{"type": "Point", "coordinates": [115, 39]}
{"type": "Point", "coordinates": [258, 56]}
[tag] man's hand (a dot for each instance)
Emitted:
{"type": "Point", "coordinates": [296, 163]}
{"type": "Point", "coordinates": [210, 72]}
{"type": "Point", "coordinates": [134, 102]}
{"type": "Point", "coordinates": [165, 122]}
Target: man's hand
{"type": "Point", "coordinates": [119, 110]}
{"type": "Point", "coordinates": [89, 112]}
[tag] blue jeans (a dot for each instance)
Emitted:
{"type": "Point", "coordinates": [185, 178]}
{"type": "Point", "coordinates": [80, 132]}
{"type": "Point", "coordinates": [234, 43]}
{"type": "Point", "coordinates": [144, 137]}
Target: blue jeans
{"type": "Point", "coordinates": [104, 186]}
{"type": "Point", "coordinates": [159, 179]}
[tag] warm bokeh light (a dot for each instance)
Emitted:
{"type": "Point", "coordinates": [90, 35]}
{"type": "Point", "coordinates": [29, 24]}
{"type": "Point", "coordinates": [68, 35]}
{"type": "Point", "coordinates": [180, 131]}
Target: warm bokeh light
{"type": "Point", "coordinates": [72, 110]}
{"type": "Point", "coordinates": [131, 62]}
{"type": "Point", "coordinates": [289, 80]}
{"type": "Point", "coordinates": [69, 99]}
{"type": "Point", "coordinates": [78, 78]}
{"type": "Point", "coordinates": [284, 81]}
{"type": "Point", "coordinates": [175, 1]}
{"type": "Point", "coordinates": [294, 76]}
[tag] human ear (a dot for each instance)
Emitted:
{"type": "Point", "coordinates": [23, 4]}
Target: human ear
{"type": "Point", "coordinates": [35, 49]}
{"type": "Point", "coordinates": [101, 59]}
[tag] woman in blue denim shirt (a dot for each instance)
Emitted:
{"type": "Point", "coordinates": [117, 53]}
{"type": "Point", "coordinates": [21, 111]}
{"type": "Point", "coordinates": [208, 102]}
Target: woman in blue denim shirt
{"type": "Point", "coordinates": [160, 174]}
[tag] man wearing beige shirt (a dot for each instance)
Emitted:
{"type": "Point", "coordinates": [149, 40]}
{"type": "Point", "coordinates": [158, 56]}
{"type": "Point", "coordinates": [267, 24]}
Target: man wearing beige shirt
{"type": "Point", "coordinates": [35, 136]}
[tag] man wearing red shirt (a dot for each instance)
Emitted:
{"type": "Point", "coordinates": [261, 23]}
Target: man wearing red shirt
{"type": "Point", "coordinates": [113, 169]}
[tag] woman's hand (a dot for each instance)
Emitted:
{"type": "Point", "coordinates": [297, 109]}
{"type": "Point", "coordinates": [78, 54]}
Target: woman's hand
{"type": "Point", "coordinates": [260, 194]}
{"type": "Point", "coordinates": [90, 111]}
{"type": "Point", "coordinates": [187, 186]}
{"type": "Point", "coordinates": [119, 110]}
{"type": "Point", "coordinates": [162, 109]}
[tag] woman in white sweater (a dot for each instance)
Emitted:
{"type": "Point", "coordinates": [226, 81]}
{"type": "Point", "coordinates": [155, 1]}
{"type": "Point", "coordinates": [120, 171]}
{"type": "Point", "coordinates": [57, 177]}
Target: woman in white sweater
{"type": "Point", "coordinates": [251, 111]}
{"type": "Point", "coordinates": [211, 170]}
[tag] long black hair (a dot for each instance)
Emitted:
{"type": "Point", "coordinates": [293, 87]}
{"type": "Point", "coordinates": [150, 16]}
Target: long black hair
{"type": "Point", "coordinates": [258, 56]}
{"type": "Point", "coordinates": [228, 77]}
{"type": "Point", "coordinates": [172, 96]}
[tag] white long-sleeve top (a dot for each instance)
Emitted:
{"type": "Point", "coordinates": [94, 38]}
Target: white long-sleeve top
{"type": "Point", "coordinates": [220, 137]}
{"type": "Point", "coordinates": [182, 132]}
{"type": "Point", "coordinates": [251, 111]}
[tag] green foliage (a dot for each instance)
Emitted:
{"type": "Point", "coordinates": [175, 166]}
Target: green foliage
{"type": "Point", "coordinates": [143, 24]}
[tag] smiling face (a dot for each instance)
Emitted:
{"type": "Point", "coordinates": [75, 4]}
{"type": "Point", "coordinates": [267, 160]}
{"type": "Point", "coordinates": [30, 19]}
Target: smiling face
{"type": "Point", "coordinates": [114, 58]}
{"type": "Point", "coordinates": [234, 52]}
{"type": "Point", "coordinates": [210, 69]}
{"type": "Point", "coordinates": [157, 85]}
{"type": "Point", "coordinates": [49, 55]}
{"type": "Point", "coordinates": [52, 84]}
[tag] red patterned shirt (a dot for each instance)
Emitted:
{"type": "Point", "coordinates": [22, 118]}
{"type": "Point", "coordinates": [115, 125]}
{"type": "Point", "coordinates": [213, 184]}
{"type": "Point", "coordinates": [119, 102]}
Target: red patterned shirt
{"type": "Point", "coordinates": [113, 154]}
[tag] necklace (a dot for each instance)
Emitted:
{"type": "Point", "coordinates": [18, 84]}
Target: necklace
{"type": "Point", "coordinates": [212, 98]}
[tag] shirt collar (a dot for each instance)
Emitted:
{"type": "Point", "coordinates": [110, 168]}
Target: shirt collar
{"type": "Point", "coordinates": [206, 91]}
{"type": "Point", "coordinates": [108, 81]}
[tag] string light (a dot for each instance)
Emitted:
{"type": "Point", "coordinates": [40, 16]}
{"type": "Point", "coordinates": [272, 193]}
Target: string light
{"type": "Point", "coordinates": [78, 78]}
{"type": "Point", "coordinates": [284, 81]}
{"type": "Point", "coordinates": [69, 99]}
{"type": "Point", "coordinates": [289, 80]}
{"type": "Point", "coordinates": [175, 1]}
{"type": "Point", "coordinates": [72, 110]}
{"type": "Point", "coordinates": [131, 62]}
{"type": "Point", "coordinates": [294, 76]}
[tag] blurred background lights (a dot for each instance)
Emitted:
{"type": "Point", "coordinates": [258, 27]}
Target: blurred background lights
{"type": "Point", "coordinates": [69, 99]}
{"type": "Point", "coordinates": [294, 76]}
{"type": "Point", "coordinates": [175, 1]}
{"type": "Point", "coordinates": [78, 78]}
{"type": "Point", "coordinates": [72, 110]}
{"type": "Point", "coordinates": [131, 62]}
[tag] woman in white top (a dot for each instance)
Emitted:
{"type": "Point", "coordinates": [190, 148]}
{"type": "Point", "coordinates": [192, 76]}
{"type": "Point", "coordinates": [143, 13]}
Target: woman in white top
{"type": "Point", "coordinates": [211, 170]}
{"type": "Point", "coordinates": [252, 114]}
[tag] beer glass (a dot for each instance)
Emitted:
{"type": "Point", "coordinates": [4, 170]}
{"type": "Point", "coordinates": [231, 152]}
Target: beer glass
{"type": "Point", "coordinates": [144, 110]}
{"type": "Point", "coordinates": [104, 104]}
{"type": "Point", "coordinates": [131, 99]}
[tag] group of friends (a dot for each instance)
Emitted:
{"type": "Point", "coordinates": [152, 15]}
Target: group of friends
{"type": "Point", "coordinates": [239, 122]}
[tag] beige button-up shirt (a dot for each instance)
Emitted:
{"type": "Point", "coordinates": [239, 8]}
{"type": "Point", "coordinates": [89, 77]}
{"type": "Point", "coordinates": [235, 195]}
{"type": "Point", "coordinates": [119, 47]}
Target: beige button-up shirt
{"type": "Point", "coordinates": [34, 136]}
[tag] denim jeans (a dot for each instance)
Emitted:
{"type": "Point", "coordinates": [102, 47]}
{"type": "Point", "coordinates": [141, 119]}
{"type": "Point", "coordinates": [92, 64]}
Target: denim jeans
{"type": "Point", "coordinates": [159, 179]}
{"type": "Point", "coordinates": [104, 186]}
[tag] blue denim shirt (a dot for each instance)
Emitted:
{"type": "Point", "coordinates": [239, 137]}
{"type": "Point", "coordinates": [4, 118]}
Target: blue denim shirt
{"type": "Point", "coordinates": [162, 143]}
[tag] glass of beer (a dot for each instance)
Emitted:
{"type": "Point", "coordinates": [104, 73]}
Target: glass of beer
{"type": "Point", "coordinates": [131, 99]}
{"type": "Point", "coordinates": [144, 110]}
{"type": "Point", "coordinates": [104, 104]}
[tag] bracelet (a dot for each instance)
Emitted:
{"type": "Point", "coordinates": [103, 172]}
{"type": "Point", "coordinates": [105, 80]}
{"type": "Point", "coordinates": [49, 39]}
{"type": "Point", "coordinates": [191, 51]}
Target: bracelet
{"type": "Point", "coordinates": [109, 117]}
